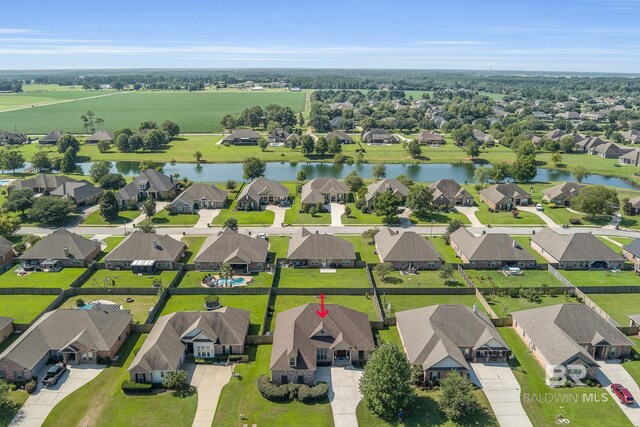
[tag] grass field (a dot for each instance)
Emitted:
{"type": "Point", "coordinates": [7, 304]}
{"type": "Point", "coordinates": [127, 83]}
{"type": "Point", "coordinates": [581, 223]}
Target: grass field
{"type": "Point", "coordinates": [111, 242]}
{"type": "Point", "coordinates": [364, 251]}
{"type": "Point", "coordinates": [126, 279]}
{"type": "Point", "coordinates": [40, 279]}
{"type": "Point", "coordinates": [503, 306]}
{"type": "Point", "coordinates": [124, 217]}
{"type": "Point", "coordinates": [193, 111]}
{"type": "Point", "coordinates": [24, 308]}
{"type": "Point", "coordinates": [165, 219]}
{"type": "Point", "coordinates": [264, 217]}
{"type": "Point", "coordinates": [139, 308]}
{"type": "Point", "coordinates": [314, 278]}
{"type": "Point", "coordinates": [602, 278]}
{"type": "Point", "coordinates": [446, 251]}
{"type": "Point", "coordinates": [408, 302]}
{"type": "Point", "coordinates": [426, 279]}
{"type": "Point", "coordinates": [363, 304]}
{"type": "Point", "coordinates": [495, 278]}
{"type": "Point", "coordinates": [618, 306]}
{"type": "Point", "coordinates": [278, 246]}
{"type": "Point", "coordinates": [194, 244]}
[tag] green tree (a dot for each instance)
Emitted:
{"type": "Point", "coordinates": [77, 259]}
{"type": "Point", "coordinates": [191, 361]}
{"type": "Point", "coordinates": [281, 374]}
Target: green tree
{"type": "Point", "coordinates": [49, 210]}
{"type": "Point", "coordinates": [198, 156]}
{"type": "Point", "coordinates": [122, 143]}
{"type": "Point", "coordinates": [596, 200]}
{"type": "Point", "coordinates": [627, 207]}
{"type": "Point", "coordinates": [446, 273]}
{"type": "Point", "coordinates": [68, 163]}
{"type": "Point", "coordinates": [263, 143]}
{"type": "Point", "coordinates": [136, 142]}
{"type": "Point", "coordinates": [383, 270]}
{"type": "Point", "coordinates": [386, 382]}
{"type": "Point", "coordinates": [11, 159]}
{"type": "Point", "coordinates": [175, 380]}
{"type": "Point", "coordinates": [5, 398]}
{"type": "Point", "coordinates": [109, 207]}
{"type": "Point", "coordinates": [321, 146]}
{"type": "Point", "coordinates": [307, 145]}
{"type": "Point", "coordinates": [153, 140]}
{"type": "Point", "coordinates": [379, 171]}
{"type": "Point", "coordinates": [453, 225]}
{"type": "Point", "coordinates": [146, 226]}
{"type": "Point", "coordinates": [482, 174]}
{"type": "Point", "coordinates": [370, 235]}
{"type": "Point", "coordinates": [405, 180]}
{"type": "Point", "coordinates": [500, 171]}
{"type": "Point", "coordinates": [386, 205]}
{"type": "Point", "coordinates": [556, 158]}
{"type": "Point", "coordinates": [335, 146]}
{"type": "Point", "coordinates": [148, 124]}
{"type": "Point", "coordinates": [18, 200]}
{"type": "Point", "coordinates": [112, 181]}
{"type": "Point", "coordinates": [228, 122]}
{"type": "Point", "coordinates": [253, 168]}
{"type": "Point", "coordinates": [524, 168]}
{"type": "Point", "coordinates": [150, 164]}
{"type": "Point", "coordinates": [8, 225]}
{"type": "Point", "coordinates": [103, 146]}
{"type": "Point", "coordinates": [472, 149]}
{"type": "Point", "coordinates": [414, 149]}
{"type": "Point", "coordinates": [231, 184]}
{"type": "Point", "coordinates": [40, 161]}
{"type": "Point", "coordinates": [302, 175]}
{"type": "Point", "coordinates": [226, 272]}
{"type": "Point", "coordinates": [149, 207]}
{"type": "Point", "coordinates": [68, 142]}
{"type": "Point", "coordinates": [420, 200]}
{"type": "Point", "coordinates": [457, 399]}
{"type": "Point", "coordinates": [231, 223]}
{"type": "Point", "coordinates": [580, 173]}
{"type": "Point", "coordinates": [99, 169]}
{"type": "Point", "coordinates": [170, 128]}
{"type": "Point", "coordinates": [353, 181]}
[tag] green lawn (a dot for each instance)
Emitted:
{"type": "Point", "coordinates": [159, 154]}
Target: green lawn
{"type": "Point", "coordinates": [40, 279]}
{"type": "Point", "coordinates": [506, 218]}
{"type": "Point", "coordinates": [561, 216]}
{"type": "Point", "coordinates": [24, 308]}
{"type": "Point", "coordinates": [446, 251]}
{"type": "Point", "coordinates": [192, 279]}
{"type": "Point", "coordinates": [392, 304]}
{"type": "Point", "coordinates": [623, 240]}
{"type": "Point", "coordinates": [111, 242]}
{"type": "Point", "coordinates": [618, 306]}
{"type": "Point", "coordinates": [358, 217]}
{"type": "Point", "coordinates": [495, 278]}
{"type": "Point", "coordinates": [165, 219]}
{"type": "Point", "coordinates": [194, 244]}
{"type": "Point", "coordinates": [580, 412]}
{"type": "Point", "coordinates": [241, 396]}
{"type": "Point", "coordinates": [294, 216]}
{"type": "Point", "coordinates": [425, 279]}
{"type": "Point", "coordinates": [256, 304]}
{"type": "Point", "coordinates": [503, 306]}
{"type": "Point", "coordinates": [388, 334]}
{"type": "Point", "coordinates": [126, 279]}
{"type": "Point", "coordinates": [364, 251]}
{"type": "Point", "coordinates": [313, 278]}
{"type": "Point", "coordinates": [616, 248]}
{"type": "Point", "coordinates": [101, 402]}
{"type": "Point", "coordinates": [633, 366]}
{"type": "Point", "coordinates": [602, 278]}
{"type": "Point", "coordinates": [439, 218]}
{"type": "Point", "coordinates": [278, 246]}
{"type": "Point", "coordinates": [363, 304]}
{"type": "Point", "coordinates": [139, 308]}
{"type": "Point", "coordinates": [9, 411]}
{"type": "Point", "coordinates": [264, 218]}
{"type": "Point", "coordinates": [424, 411]}
{"type": "Point", "coordinates": [124, 217]}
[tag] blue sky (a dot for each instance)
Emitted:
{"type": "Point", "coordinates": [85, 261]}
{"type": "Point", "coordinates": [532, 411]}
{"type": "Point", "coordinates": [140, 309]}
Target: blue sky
{"type": "Point", "coordinates": [560, 35]}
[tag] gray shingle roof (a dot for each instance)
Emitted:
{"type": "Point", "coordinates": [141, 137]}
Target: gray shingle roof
{"type": "Point", "coordinates": [489, 247]}
{"type": "Point", "coordinates": [574, 247]}
{"type": "Point", "coordinates": [263, 186]}
{"type": "Point", "coordinates": [342, 136]}
{"type": "Point", "coordinates": [404, 246]}
{"type": "Point", "coordinates": [200, 192]}
{"type": "Point", "coordinates": [314, 190]}
{"type": "Point", "coordinates": [229, 246]}
{"type": "Point", "coordinates": [79, 191]}
{"type": "Point", "coordinates": [633, 247]}
{"type": "Point", "coordinates": [431, 334]}
{"type": "Point", "coordinates": [497, 193]}
{"type": "Point", "coordinates": [157, 182]}
{"type": "Point", "coordinates": [242, 134]}
{"type": "Point", "coordinates": [388, 184]}
{"type": "Point", "coordinates": [7, 137]}
{"type": "Point", "coordinates": [100, 135]}
{"type": "Point", "coordinates": [450, 189]}
{"type": "Point", "coordinates": [164, 347]}
{"type": "Point", "coordinates": [5, 246]}
{"type": "Point", "coordinates": [427, 136]}
{"type": "Point", "coordinates": [5, 321]}
{"type": "Point", "coordinates": [306, 245]}
{"type": "Point", "coordinates": [63, 328]}
{"type": "Point", "coordinates": [53, 246]}
{"type": "Point", "coordinates": [52, 137]}
{"type": "Point", "coordinates": [559, 331]}
{"type": "Point", "coordinates": [43, 180]}
{"type": "Point", "coordinates": [566, 190]}
{"type": "Point", "coordinates": [140, 246]}
{"type": "Point", "coordinates": [297, 334]}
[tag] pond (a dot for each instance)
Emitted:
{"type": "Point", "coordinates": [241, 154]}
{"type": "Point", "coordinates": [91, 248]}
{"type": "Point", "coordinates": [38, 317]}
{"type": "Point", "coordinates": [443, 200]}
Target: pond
{"type": "Point", "coordinates": [285, 171]}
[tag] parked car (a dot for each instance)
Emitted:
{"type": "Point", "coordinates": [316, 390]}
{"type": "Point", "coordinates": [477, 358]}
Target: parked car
{"type": "Point", "coordinates": [539, 207]}
{"type": "Point", "coordinates": [54, 373]}
{"type": "Point", "coordinates": [623, 394]}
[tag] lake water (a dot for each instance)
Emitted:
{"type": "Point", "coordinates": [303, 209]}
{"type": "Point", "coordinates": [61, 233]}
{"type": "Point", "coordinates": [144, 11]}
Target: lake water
{"type": "Point", "coordinates": [286, 171]}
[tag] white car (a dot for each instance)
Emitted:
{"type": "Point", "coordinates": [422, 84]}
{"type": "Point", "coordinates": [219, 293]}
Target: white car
{"type": "Point", "coordinates": [539, 207]}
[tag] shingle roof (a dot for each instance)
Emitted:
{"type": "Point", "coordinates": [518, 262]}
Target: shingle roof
{"type": "Point", "coordinates": [262, 185]}
{"type": "Point", "coordinates": [200, 192]}
{"type": "Point", "coordinates": [5, 246]}
{"type": "Point", "coordinates": [633, 247]}
{"type": "Point", "coordinates": [387, 184]}
{"type": "Point", "coordinates": [404, 246]}
{"type": "Point", "coordinates": [497, 193]}
{"type": "Point", "coordinates": [157, 182]}
{"type": "Point", "coordinates": [489, 247]}
{"type": "Point", "coordinates": [164, 347]}
{"type": "Point", "coordinates": [297, 334]}
{"type": "Point", "coordinates": [43, 180]}
{"type": "Point", "coordinates": [574, 247]}
{"type": "Point", "coordinates": [52, 136]}
{"type": "Point", "coordinates": [100, 135]}
{"type": "Point", "coordinates": [79, 191]}
{"type": "Point", "coordinates": [427, 136]}
{"type": "Point", "coordinates": [555, 134]}
{"type": "Point", "coordinates": [242, 134]}
{"type": "Point", "coordinates": [559, 331]}
{"type": "Point", "coordinates": [431, 334]}
{"type": "Point", "coordinates": [229, 246]}
{"type": "Point", "coordinates": [5, 321]}
{"type": "Point", "coordinates": [450, 189]}
{"type": "Point", "coordinates": [633, 155]}
{"type": "Point", "coordinates": [338, 134]}
{"type": "Point", "coordinates": [379, 133]}
{"type": "Point", "coordinates": [140, 246]}
{"type": "Point", "coordinates": [566, 190]}
{"type": "Point", "coordinates": [53, 246]}
{"type": "Point", "coordinates": [7, 137]}
{"type": "Point", "coordinates": [314, 190]}
{"type": "Point", "coordinates": [306, 245]}
{"type": "Point", "coordinates": [63, 328]}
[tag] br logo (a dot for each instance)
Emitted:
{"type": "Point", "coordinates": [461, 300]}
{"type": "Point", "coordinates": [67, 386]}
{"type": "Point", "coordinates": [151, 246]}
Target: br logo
{"type": "Point", "coordinates": [557, 375]}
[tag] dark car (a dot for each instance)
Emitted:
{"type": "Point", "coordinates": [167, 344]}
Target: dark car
{"type": "Point", "coordinates": [623, 394]}
{"type": "Point", "coordinates": [54, 373]}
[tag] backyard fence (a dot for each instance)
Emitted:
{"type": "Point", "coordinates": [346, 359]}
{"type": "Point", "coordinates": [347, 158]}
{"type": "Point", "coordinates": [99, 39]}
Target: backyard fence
{"type": "Point", "coordinates": [80, 280]}
{"type": "Point", "coordinates": [559, 276]}
{"type": "Point", "coordinates": [466, 278]}
{"type": "Point", "coordinates": [258, 339]}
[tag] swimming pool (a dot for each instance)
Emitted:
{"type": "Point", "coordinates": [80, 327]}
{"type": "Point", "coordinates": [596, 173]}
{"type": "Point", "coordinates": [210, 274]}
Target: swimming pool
{"type": "Point", "coordinates": [87, 306]}
{"type": "Point", "coordinates": [4, 182]}
{"type": "Point", "coordinates": [237, 281]}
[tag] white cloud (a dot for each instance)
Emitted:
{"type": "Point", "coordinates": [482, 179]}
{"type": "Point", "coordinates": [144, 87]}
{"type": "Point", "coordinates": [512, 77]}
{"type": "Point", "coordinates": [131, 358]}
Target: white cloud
{"type": "Point", "coordinates": [16, 31]}
{"type": "Point", "coordinates": [455, 42]}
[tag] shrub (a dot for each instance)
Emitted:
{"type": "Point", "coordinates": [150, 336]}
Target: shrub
{"type": "Point", "coordinates": [132, 387]}
{"type": "Point", "coordinates": [288, 392]}
{"type": "Point", "coordinates": [30, 386]}
{"type": "Point", "coordinates": [552, 205]}
{"type": "Point", "coordinates": [271, 391]}
{"type": "Point", "coordinates": [103, 360]}
{"type": "Point", "coordinates": [176, 380]}
{"type": "Point", "coordinates": [80, 302]}
{"type": "Point", "coordinates": [575, 221]}
{"type": "Point", "coordinates": [310, 394]}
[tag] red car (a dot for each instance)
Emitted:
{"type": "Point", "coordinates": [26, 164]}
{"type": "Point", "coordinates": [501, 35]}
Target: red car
{"type": "Point", "coordinates": [623, 394]}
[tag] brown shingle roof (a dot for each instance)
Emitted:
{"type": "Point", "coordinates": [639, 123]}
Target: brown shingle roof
{"type": "Point", "coordinates": [574, 247]}
{"type": "Point", "coordinates": [53, 247]}
{"type": "Point", "coordinates": [140, 246]}
{"type": "Point", "coordinates": [404, 246]}
{"type": "Point", "coordinates": [305, 245]}
{"type": "Point", "coordinates": [230, 245]}
{"type": "Point", "coordinates": [489, 247]}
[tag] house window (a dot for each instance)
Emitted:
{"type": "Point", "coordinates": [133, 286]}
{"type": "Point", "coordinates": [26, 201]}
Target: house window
{"type": "Point", "coordinates": [140, 378]}
{"type": "Point", "coordinates": [292, 361]}
{"type": "Point", "coordinates": [322, 354]}
{"type": "Point", "coordinates": [161, 374]}
{"type": "Point", "coordinates": [19, 375]}
{"type": "Point", "coordinates": [3, 374]}
{"type": "Point", "coordinates": [86, 357]}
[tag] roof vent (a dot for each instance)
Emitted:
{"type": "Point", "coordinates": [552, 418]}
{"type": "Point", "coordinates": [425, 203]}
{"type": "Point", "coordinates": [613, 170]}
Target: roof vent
{"type": "Point", "coordinates": [155, 244]}
{"type": "Point", "coordinates": [66, 252]}
{"type": "Point", "coordinates": [475, 309]}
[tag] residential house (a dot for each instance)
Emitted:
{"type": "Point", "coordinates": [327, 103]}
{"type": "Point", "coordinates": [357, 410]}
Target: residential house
{"type": "Point", "coordinates": [6, 327]}
{"type": "Point", "coordinates": [387, 184]}
{"type": "Point", "coordinates": [488, 251]}
{"type": "Point", "coordinates": [244, 253]}
{"type": "Point", "coordinates": [242, 137]}
{"type": "Point", "coordinates": [632, 157]}
{"type": "Point", "coordinates": [631, 252]}
{"type": "Point", "coordinates": [6, 253]}
{"type": "Point", "coordinates": [307, 249]}
{"type": "Point", "coordinates": [482, 138]}
{"type": "Point", "coordinates": [592, 115]}
{"type": "Point", "coordinates": [293, 138]}
{"type": "Point", "coordinates": [541, 115]}
{"type": "Point", "coordinates": [631, 136]}
{"type": "Point", "coordinates": [555, 134]}
{"type": "Point", "coordinates": [447, 192]}
{"type": "Point", "coordinates": [278, 136]}
{"type": "Point", "coordinates": [12, 138]}
{"type": "Point", "coordinates": [577, 251]}
{"type": "Point", "coordinates": [444, 338]}
{"type": "Point", "coordinates": [609, 150]}
{"type": "Point", "coordinates": [259, 192]}
{"type": "Point", "coordinates": [303, 341]}
{"type": "Point", "coordinates": [83, 193]}
{"type": "Point", "coordinates": [570, 334]}
{"type": "Point", "coordinates": [562, 194]}
{"type": "Point", "coordinates": [146, 253]}
{"type": "Point", "coordinates": [323, 190]}
{"type": "Point", "coordinates": [569, 115]}
{"type": "Point", "coordinates": [406, 249]}
{"type": "Point", "coordinates": [100, 135]}
{"type": "Point", "coordinates": [198, 334]}
{"type": "Point", "coordinates": [504, 197]}
{"type": "Point", "coordinates": [149, 183]}
{"type": "Point", "coordinates": [342, 105]}
{"type": "Point", "coordinates": [635, 205]}
{"type": "Point", "coordinates": [51, 138]}
{"type": "Point", "coordinates": [199, 196]}
{"type": "Point", "coordinates": [337, 122]}
{"type": "Point", "coordinates": [431, 138]}
{"type": "Point", "coordinates": [73, 336]}
{"type": "Point", "coordinates": [589, 144]}
{"type": "Point", "coordinates": [62, 248]}
{"type": "Point", "coordinates": [379, 136]}
{"type": "Point", "coordinates": [343, 137]}
{"type": "Point", "coordinates": [43, 182]}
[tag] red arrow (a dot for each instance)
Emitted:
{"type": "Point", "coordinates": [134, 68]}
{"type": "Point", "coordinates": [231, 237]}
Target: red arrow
{"type": "Point", "coordinates": [322, 312]}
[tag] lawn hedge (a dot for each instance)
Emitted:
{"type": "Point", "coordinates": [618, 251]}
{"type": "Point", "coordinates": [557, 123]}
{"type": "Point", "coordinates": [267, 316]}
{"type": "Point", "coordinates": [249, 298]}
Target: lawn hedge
{"type": "Point", "coordinates": [288, 392]}
{"type": "Point", "coordinates": [132, 387]}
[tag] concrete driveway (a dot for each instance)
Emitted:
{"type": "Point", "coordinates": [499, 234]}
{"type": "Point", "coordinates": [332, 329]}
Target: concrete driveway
{"type": "Point", "coordinates": [470, 212]}
{"type": "Point", "coordinates": [209, 380]}
{"type": "Point", "coordinates": [344, 393]}
{"type": "Point", "coordinates": [612, 372]}
{"type": "Point", "coordinates": [503, 392]}
{"type": "Point", "coordinates": [337, 210]}
{"type": "Point", "coordinates": [41, 403]}
{"type": "Point", "coordinates": [279, 212]}
{"type": "Point", "coordinates": [206, 216]}
{"type": "Point", "coordinates": [543, 216]}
